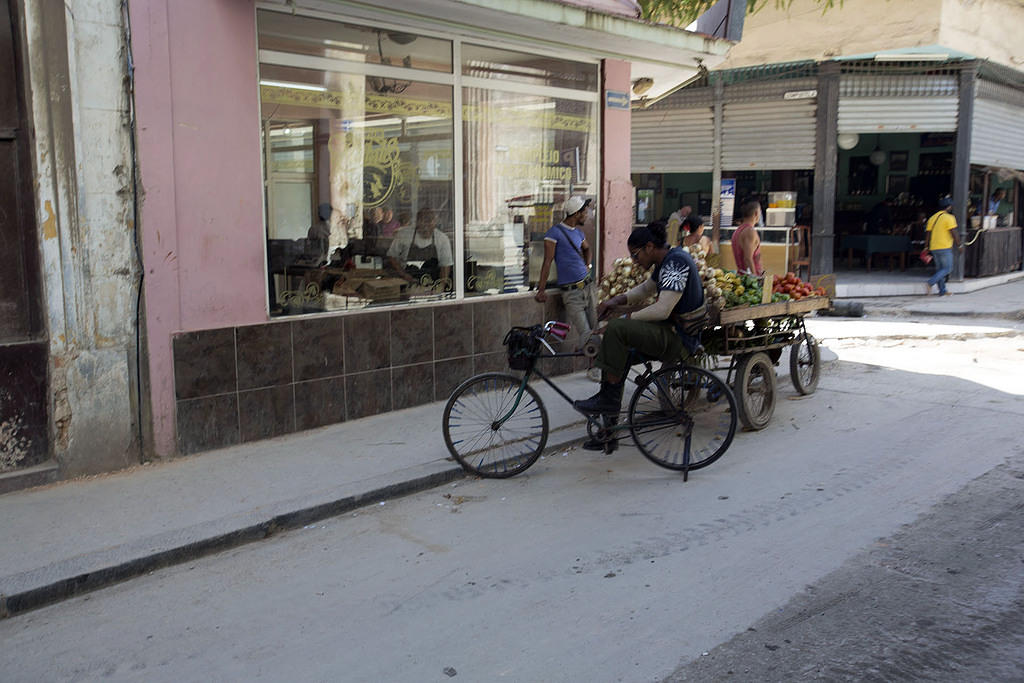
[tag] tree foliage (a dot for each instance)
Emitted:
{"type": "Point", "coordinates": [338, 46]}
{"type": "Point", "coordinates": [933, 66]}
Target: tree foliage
{"type": "Point", "coordinates": [682, 12]}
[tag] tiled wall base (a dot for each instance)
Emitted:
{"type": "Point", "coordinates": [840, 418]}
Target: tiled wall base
{"type": "Point", "coordinates": [240, 384]}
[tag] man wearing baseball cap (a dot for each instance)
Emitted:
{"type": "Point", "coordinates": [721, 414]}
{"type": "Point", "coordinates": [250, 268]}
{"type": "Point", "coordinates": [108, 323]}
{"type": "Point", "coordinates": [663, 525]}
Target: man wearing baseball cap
{"type": "Point", "coordinates": [567, 246]}
{"type": "Point", "coordinates": [940, 237]}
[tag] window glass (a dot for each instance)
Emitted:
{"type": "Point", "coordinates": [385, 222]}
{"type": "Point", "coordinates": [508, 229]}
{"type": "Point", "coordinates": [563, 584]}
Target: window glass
{"type": "Point", "coordinates": [523, 67]}
{"type": "Point", "coordinates": [359, 190]}
{"type": "Point", "coordinates": [524, 155]}
{"type": "Point", "coordinates": [321, 38]}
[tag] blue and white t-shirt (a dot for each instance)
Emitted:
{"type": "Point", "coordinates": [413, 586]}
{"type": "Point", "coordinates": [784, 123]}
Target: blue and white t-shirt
{"type": "Point", "coordinates": [568, 263]}
{"type": "Point", "coordinates": [677, 272]}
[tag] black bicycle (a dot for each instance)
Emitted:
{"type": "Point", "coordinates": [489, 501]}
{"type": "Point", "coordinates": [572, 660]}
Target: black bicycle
{"type": "Point", "coordinates": [495, 425]}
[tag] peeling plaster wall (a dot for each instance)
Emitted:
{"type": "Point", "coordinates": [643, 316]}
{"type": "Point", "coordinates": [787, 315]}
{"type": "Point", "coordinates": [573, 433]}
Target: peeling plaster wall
{"type": "Point", "coordinates": [802, 32]}
{"type": "Point", "coordinates": [990, 29]}
{"type": "Point", "coordinates": [84, 207]}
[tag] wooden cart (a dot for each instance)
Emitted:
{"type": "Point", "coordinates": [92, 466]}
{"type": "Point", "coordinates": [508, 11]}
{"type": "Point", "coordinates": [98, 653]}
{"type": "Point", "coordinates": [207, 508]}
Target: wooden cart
{"type": "Point", "coordinates": [753, 337]}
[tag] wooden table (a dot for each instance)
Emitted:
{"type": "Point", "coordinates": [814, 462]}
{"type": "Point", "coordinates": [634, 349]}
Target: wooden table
{"type": "Point", "coordinates": [876, 244]}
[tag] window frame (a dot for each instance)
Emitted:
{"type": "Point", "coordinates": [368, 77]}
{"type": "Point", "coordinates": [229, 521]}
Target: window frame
{"type": "Point", "coordinates": [457, 81]}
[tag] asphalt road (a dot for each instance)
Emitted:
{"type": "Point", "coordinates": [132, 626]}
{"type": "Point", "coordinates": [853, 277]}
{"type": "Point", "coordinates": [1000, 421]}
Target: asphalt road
{"type": "Point", "coordinates": [867, 533]}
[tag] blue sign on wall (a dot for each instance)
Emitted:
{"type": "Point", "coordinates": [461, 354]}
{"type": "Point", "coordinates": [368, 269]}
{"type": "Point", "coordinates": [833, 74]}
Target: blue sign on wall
{"type": "Point", "coordinates": [614, 99]}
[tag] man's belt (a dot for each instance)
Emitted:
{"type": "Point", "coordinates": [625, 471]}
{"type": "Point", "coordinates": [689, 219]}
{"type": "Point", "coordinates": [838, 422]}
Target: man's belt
{"type": "Point", "coordinates": [576, 285]}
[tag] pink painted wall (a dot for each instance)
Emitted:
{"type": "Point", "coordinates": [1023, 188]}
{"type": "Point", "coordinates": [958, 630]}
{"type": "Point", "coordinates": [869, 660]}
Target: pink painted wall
{"type": "Point", "coordinates": [616, 187]}
{"type": "Point", "coordinates": [201, 216]}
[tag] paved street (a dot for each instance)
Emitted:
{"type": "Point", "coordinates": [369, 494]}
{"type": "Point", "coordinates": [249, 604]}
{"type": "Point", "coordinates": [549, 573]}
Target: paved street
{"type": "Point", "coordinates": [606, 568]}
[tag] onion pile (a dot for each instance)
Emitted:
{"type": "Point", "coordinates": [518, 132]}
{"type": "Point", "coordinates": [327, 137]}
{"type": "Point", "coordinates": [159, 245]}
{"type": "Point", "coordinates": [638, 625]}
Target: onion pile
{"type": "Point", "coordinates": [713, 294]}
{"type": "Point", "coordinates": [624, 276]}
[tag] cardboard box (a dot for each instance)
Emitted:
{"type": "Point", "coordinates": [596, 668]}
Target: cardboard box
{"type": "Point", "coordinates": [382, 289]}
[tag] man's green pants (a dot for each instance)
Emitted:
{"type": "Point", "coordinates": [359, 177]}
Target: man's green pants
{"type": "Point", "coordinates": [653, 339]}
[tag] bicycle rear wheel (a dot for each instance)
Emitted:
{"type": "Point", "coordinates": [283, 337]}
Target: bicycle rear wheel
{"type": "Point", "coordinates": [683, 417]}
{"type": "Point", "coordinates": [492, 430]}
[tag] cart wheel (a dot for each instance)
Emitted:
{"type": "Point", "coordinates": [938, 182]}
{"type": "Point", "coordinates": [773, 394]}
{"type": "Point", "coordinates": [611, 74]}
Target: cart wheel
{"type": "Point", "coordinates": [755, 390]}
{"type": "Point", "coordinates": [805, 364]}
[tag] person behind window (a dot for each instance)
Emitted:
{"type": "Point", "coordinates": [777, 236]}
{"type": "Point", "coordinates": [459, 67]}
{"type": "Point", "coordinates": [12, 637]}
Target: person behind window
{"type": "Point", "coordinates": [389, 224]}
{"type": "Point", "coordinates": [995, 205]}
{"type": "Point", "coordinates": [318, 237]}
{"type": "Point", "coordinates": [746, 243]}
{"type": "Point", "coordinates": [422, 250]}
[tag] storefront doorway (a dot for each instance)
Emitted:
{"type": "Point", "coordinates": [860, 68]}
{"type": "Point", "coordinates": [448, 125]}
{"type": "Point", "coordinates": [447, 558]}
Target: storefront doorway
{"type": "Point", "coordinates": [888, 184]}
{"type": "Point", "coordinates": [23, 344]}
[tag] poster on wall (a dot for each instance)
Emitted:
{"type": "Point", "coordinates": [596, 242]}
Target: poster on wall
{"type": "Point", "coordinates": [728, 196]}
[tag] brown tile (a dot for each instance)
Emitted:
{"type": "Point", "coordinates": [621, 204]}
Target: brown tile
{"type": "Point", "coordinates": [264, 355]}
{"type": "Point", "coordinates": [453, 331]}
{"type": "Point", "coordinates": [490, 362]}
{"type": "Point", "coordinates": [449, 374]}
{"type": "Point", "coordinates": [207, 423]}
{"type": "Point", "coordinates": [318, 347]}
{"type": "Point", "coordinates": [204, 363]}
{"type": "Point", "coordinates": [490, 324]}
{"type": "Point", "coordinates": [412, 336]}
{"type": "Point", "coordinates": [319, 402]}
{"type": "Point", "coordinates": [413, 385]}
{"type": "Point", "coordinates": [524, 311]}
{"type": "Point", "coordinates": [368, 393]}
{"type": "Point", "coordinates": [263, 413]}
{"type": "Point", "coordinates": [367, 344]}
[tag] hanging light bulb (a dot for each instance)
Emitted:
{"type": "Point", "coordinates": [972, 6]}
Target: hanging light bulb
{"type": "Point", "coordinates": [877, 157]}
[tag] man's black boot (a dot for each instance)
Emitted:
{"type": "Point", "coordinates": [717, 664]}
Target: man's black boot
{"type": "Point", "coordinates": [605, 401]}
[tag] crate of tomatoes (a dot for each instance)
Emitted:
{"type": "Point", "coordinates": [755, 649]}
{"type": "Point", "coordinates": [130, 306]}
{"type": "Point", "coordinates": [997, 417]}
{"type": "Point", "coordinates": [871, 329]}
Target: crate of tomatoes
{"type": "Point", "coordinates": [794, 287]}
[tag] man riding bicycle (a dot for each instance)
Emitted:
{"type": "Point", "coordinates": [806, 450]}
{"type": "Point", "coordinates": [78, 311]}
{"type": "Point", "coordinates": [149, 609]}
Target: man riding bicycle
{"type": "Point", "coordinates": [668, 329]}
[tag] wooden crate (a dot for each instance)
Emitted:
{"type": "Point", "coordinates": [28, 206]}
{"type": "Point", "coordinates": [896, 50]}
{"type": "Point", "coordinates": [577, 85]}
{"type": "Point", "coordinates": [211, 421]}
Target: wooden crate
{"type": "Point", "coordinates": [805, 305]}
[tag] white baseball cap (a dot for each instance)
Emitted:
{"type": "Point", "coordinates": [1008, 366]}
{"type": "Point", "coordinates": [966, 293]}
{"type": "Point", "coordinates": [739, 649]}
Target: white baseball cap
{"type": "Point", "coordinates": [575, 204]}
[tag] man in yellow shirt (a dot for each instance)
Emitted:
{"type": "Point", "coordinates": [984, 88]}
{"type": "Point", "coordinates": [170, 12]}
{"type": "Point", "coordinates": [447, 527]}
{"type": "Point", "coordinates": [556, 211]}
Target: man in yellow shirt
{"type": "Point", "coordinates": [941, 236]}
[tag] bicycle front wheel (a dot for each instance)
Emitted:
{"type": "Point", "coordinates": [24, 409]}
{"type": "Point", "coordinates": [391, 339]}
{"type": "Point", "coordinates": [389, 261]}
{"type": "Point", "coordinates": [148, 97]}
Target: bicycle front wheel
{"type": "Point", "coordinates": [492, 429]}
{"type": "Point", "coordinates": [683, 417]}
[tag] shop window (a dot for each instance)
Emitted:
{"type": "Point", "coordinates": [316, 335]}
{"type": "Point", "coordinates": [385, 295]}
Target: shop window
{"type": "Point", "coordinates": [358, 133]}
{"type": "Point", "coordinates": [307, 36]}
{"type": "Point", "coordinates": [359, 187]}
{"type": "Point", "coordinates": [532, 69]}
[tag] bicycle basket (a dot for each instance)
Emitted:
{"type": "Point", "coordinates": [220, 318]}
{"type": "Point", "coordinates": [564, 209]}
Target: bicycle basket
{"type": "Point", "coordinates": [523, 347]}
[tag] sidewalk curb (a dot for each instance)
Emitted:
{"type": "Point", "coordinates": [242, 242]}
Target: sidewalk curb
{"type": "Point", "coordinates": [36, 588]}
{"type": "Point", "coordinates": [40, 595]}
{"type": "Point", "coordinates": [93, 572]}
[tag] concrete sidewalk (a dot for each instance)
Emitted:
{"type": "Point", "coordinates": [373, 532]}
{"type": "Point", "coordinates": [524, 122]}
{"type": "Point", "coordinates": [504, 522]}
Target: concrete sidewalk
{"type": "Point", "coordinates": [71, 537]}
{"type": "Point", "coordinates": [1002, 301]}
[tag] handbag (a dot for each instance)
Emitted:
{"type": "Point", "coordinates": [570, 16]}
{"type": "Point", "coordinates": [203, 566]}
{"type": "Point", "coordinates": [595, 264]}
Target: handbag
{"type": "Point", "coordinates": [925, 255]}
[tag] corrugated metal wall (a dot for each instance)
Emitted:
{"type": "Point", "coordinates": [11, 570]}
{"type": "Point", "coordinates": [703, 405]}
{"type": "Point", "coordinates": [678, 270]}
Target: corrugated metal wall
{"type": "Point", "coordinates": [897, 114]}
{"type": "Point", "coordinates": [997, 134]}
{"type": "Point", "coordinates": [773, 135]}
{"type": "Point", "coordinates": [898, 103]}
{"type": "Point", "coordinates": [673, 140]}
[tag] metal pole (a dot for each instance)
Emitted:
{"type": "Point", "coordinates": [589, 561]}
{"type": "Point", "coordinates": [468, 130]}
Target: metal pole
{"type": "Point", "coordinates": [962, 162]}
{"type": "Point", "coordinates": [826, 155]}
